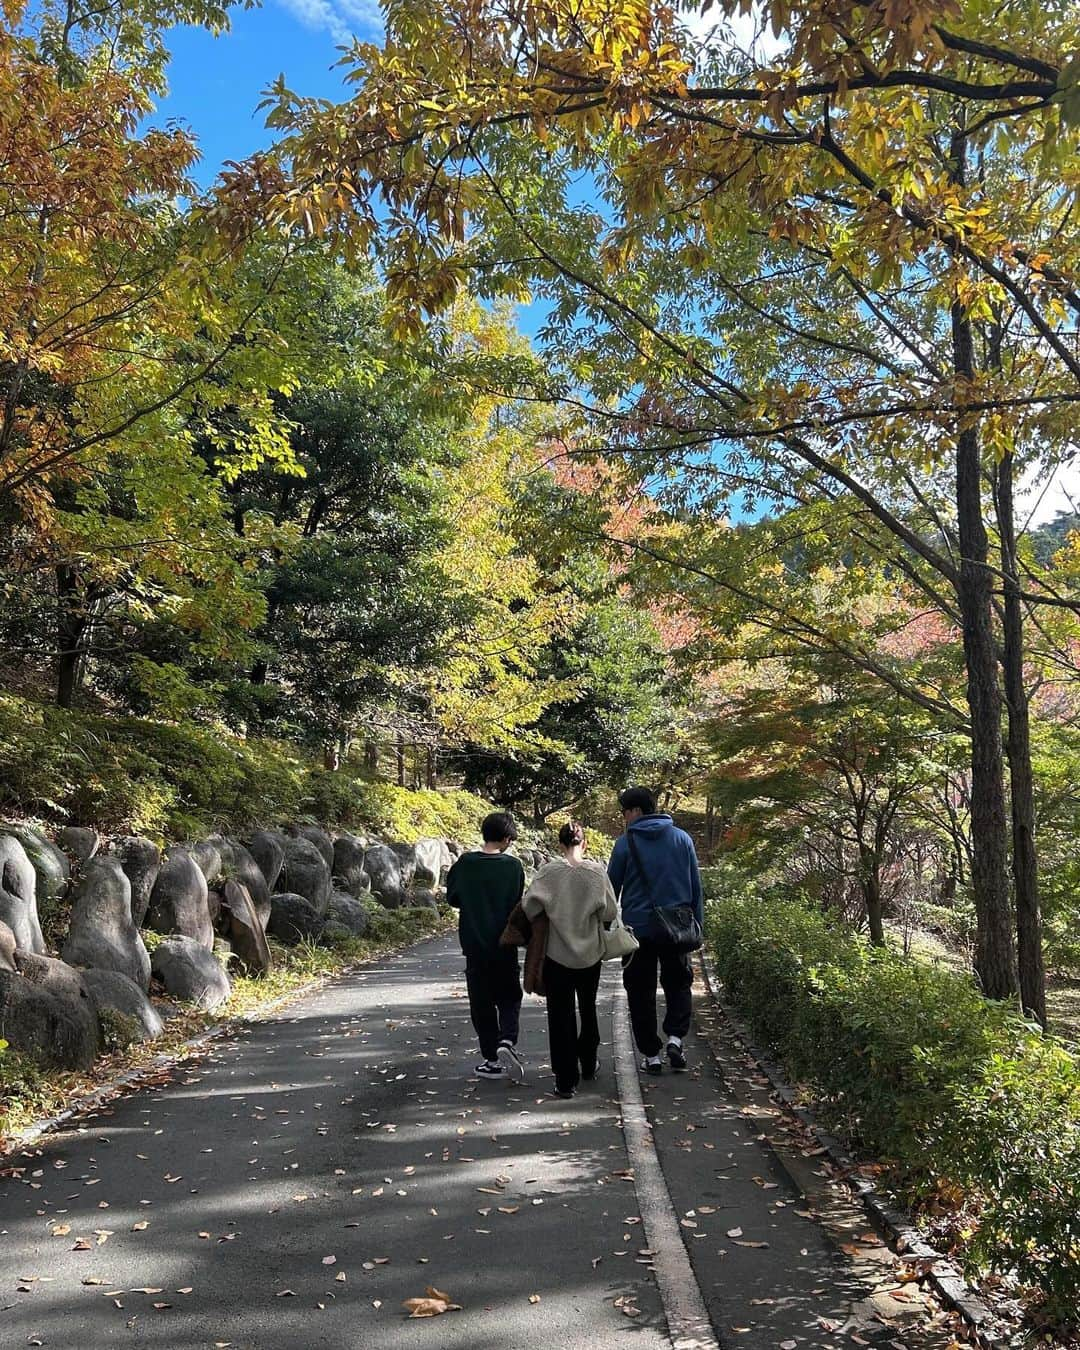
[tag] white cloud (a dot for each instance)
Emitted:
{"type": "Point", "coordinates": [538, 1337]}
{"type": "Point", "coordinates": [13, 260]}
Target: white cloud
{"type": "Point", "coordinates": [342, 19]}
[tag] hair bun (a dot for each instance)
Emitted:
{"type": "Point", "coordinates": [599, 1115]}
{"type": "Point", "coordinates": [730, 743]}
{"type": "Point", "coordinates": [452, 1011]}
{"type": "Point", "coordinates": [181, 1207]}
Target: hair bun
{"type": "Point", "coordinates": [572, 833]}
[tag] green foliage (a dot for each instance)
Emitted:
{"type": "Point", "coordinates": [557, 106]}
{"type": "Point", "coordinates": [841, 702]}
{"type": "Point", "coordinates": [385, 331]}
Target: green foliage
{"type": "Point", "coordinates": [183, 779]}
{"type": "Point", "coordinates": [118, 1029]}
{"type": "Point", "coordinates": [918, 1067]}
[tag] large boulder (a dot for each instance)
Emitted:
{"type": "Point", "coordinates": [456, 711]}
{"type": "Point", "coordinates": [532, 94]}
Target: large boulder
{"type": "Point", "coordinates": [179, 900]}
{"type": "Point", "coordinates": [293, 919]}
{"type": "Point", "coordinates": [349, 871]}
{"type": "Point", "coordinates": [433, 861]}
{"type": "Point", "coordinates": [346, 918]}
{"type": "Point", "coordinates": [267, 847]}
{"type": "Point", "coordinates": [102, 932]}
{"type": "Point", "coordinates": [46, 1012]}
{"type": "Point", "coordinates": [51, 867]}
{"type": "Point", "coordinates": [422, 898]}
{"type": "Point", "coordinates": [141, 860]}
{"type": "Point", "coordinates": [190, 972]}
{"type": "Point", "coordinates": [242, 866]}
{"type": "Point", "coordinates": [245, 932]}
{"type": "Point", "coordinates": [208, 858]}
{"type": "Point", "coordinates": [18, 896]}
{"type": "Point", "coordinates": [322, 841]}
{"type": "Point", "coordinates": [7, 948]}
{"type": "Point", "coordinates": [112, 992]}
{"type": "Point", "coordinates": [80, 842]}
{"type": "Point", "coordinates": [305, 872]}
{"type": "Point", "coordinates": [407, 854]}
{"type": "Point", "coordinates": [383, 866]}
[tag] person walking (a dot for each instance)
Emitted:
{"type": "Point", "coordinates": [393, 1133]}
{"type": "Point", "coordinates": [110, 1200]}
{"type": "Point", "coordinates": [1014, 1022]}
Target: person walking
{"type": "Point", "coordinates": [654, 867]}
{"type": "Point", "coordinates": [577, 898]}
{"type": "Point", "coordinates": [484, 885]}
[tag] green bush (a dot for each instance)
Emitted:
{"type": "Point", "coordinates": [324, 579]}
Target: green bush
{"type": "Point", "coordinates": [911, 1060]}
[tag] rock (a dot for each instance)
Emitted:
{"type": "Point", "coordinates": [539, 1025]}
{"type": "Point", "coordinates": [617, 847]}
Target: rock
{"type": "Point", "coordinates": [215, 903]}
{"type": "Point", "coordinates": [223, 951]}
{"type": "Point", "coordinates": [244, 867]}
{"type": "Point", "coordinates": [102, 933]}
{"type": "Point", "coordinates": [179, 901]}
{"type": "Point", "coordinates": [454, 848]}
{"type": "Point", "coordinates": [80, 841]}
{"type": "Point", "coordinates": [407, 854]}
{"type": "Point", "coordinates": [46, 1011]}
{"type": "Point", "coordinates": [190, 972]}
{"type": "Point", "coordinates": [346, 917]}
{"type": "Point", "coordinates": [305, 872]}
{"type": "Point", "coordinates": [51, 867]}
{"type": "Point", "coordinates": [18, 896]}
{"type": "Point", "coordinates": [7, 948]}
{"type": "Point", "coordinates": [109, 989]}
{"type": "Point", "coordinates": [293, 918]}
{"type": "Point", "coordinates": [208, 858]}
{"type": "Point", "coordinates": [141, 860]}
{"type": "Point", "coordinates": [321, 840]}
{"type": "Point", "coordinates": [422, 899]}
{"type": "Point", "coordinates": [267, 847]}
{"type": "Point", "coordinates": [383, 865]}
{"type": "Point", "coordinates": [246, 934]}
{"type": "Point", "coordinates": [433, 861]}
{"type": "Point", "coordinates": [349, 869]}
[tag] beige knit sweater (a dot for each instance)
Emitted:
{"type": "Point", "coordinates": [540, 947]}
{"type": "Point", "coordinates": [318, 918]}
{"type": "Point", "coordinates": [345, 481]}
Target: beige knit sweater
{"type": "Point", "coordinates": [576, 897]}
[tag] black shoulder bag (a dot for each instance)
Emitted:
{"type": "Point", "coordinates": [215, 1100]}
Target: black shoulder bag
{"type": "Point", "coordinates": [678, 923]}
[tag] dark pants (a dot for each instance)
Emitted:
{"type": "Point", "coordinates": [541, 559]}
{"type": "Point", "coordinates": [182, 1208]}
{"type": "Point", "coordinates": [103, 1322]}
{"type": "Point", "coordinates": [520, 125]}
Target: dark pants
{"type": "Point", "coordinates": [639, 980]}
{"type": "Point", "coordinates": [573, 1051]}
{"type": "Point", "coordinates": [494, 985]}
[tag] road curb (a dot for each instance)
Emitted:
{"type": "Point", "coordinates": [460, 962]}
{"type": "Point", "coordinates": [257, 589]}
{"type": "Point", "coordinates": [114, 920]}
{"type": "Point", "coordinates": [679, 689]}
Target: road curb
{"type": "Point", "coordinates": [133, 1078]}
{"type": "Point", "coordinates": [942, 1274]}
{"type": "Point", "coordinates": [689, 1324]}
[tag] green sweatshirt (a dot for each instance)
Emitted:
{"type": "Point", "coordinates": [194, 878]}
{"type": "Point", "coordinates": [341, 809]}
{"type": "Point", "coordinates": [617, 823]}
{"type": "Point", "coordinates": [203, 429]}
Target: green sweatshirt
{"type": "Point", "coordinates": [485, 887]}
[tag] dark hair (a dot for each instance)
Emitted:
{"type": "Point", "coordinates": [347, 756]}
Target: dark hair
{"type": "Point", "coordinates": [640, 797]}
{"type": "Point", "coordinates": [497, 827]}
{"type": "Point", "coordinates": [572, 833]}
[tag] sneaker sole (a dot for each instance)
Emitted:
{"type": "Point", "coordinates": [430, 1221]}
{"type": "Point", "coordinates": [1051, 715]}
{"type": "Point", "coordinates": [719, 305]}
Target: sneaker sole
{"type": "Point", "coordinates": [512, 1066]}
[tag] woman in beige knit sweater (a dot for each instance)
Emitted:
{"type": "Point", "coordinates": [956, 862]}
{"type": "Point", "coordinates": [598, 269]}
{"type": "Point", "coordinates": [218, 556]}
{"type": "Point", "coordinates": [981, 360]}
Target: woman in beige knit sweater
{"type": "Point", "coordinates": [576, 896]}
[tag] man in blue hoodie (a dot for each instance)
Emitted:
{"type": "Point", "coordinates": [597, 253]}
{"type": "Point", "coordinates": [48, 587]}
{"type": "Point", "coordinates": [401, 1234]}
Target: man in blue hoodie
{"type": "Point", "coordinates": [666, 856]}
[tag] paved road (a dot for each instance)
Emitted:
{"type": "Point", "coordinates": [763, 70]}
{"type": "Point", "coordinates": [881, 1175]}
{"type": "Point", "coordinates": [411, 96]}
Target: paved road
{"type": "Point", "coordinates": [294, 1186]}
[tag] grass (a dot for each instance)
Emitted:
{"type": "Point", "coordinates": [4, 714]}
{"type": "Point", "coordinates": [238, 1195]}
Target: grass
{"type": "Point", "coordinates": [29, 1092]}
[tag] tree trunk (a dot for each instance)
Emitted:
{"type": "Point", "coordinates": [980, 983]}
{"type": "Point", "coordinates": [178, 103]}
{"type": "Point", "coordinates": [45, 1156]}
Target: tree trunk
{"type": "Point", "coordinates": [399, 750]}
{"type": "Point", "coordinates": [995, 957]}
{"type": "Point", "coordinates": [371, 755]}
{"type": "Point", "coordinates": [432, 769]}
{"type": "Point", "coordinates": [72, 622]}
{"type": "Point", "coordinates": [871, 889]}
{"type": "Point", "coordinates": [1018, 748]}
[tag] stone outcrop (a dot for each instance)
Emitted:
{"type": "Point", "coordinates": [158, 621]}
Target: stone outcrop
{"type": "Point", "coordinates": [293, 919]}
{"type": "Point", "coordinates": [349, 870]}
{"type": "Point", "coordinates": [7, 948]}
{"type": "Point", "coordinates": [305, 872]}
{"type": "Point", "coordinates": [179, 901]}
{"type": "Point", "coordinates": [190, 972]}
{"type": "Point", "coordinates": [321, 840]}
{"type": "Point", "coordinates": [102, 933]}
{"type": "Point", "coordinates": [51, 867]}
{"type": "Point", "coordinates": [208, 858]}
{"type": "Point", "coordinates": [433, 861]}
{"type": "Point", "coordinates": [46, 1012]}
{"type": "Point", "coordinates": [383, 865]}
{"type": "Point", "coordinates": [267, 847]}
{"type": "Point", "coordinates": [111, 991]}
{"type": "Point", "coordinates": [407, 854]}
{"type": "Point", "coordinates": [141, 860]}
{"type": "Point", "coordinates": [18, 896]}
{"type": "Point", "coordinates": [346, 917]}
{"type": "Point", "coordinates": [80, 842]}
{"type": "Point", "coordinates": [245, 932]}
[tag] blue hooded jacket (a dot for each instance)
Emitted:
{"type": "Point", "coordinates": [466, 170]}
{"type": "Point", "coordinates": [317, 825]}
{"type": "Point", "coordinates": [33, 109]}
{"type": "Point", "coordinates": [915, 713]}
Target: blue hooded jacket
{"type": "Point", "coordinates": [668, 858]}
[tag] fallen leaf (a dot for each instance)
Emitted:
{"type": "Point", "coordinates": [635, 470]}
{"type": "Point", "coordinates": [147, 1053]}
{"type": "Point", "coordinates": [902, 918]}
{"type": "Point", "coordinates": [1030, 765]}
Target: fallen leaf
{"type": "Point", "coordinates": [433, 1304]}
{"type": "Point", "coordinates": [534, 1298]}
{"type": "Point", "coordinates": [734, 1232]}
{"type": "Point", "coordinates": [285, 1293]}
{"type": "Point", "coordinates": [143, 1224]}
{"type": "Point", "coordinates": [61, 1230]}
{"type": "Point", "coordinates": [329, 1260]}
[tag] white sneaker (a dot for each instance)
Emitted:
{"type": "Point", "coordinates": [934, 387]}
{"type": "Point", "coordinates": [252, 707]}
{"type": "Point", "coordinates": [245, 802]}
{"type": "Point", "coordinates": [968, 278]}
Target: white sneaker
{"type": "Point", "coordinates": [510, 1062]}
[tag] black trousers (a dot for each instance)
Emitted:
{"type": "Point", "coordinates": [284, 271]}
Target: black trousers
{"type": "Point", "coordinates": [573, 1050]}
{"type": "Point", "coordinates": [639, 980]}
{"type": "Point", "coordinates": [494, 986]}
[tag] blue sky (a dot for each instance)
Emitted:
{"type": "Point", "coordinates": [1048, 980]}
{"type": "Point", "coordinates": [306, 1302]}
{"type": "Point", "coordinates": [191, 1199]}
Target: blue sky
{"type": "Point", "coordinates": [216, 83]}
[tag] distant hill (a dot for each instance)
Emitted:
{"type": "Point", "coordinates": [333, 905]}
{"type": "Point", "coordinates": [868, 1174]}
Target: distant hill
{"type": "Point", "coordinates": [1048, 538]}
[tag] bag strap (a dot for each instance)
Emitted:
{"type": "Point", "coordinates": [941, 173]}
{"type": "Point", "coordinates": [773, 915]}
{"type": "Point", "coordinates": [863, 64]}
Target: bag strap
{"type": "Point", "coordinates": [631, 844]}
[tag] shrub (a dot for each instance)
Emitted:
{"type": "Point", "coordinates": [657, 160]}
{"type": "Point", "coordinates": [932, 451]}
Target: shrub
{"type": "Point", "coordinates": [960, 1093]}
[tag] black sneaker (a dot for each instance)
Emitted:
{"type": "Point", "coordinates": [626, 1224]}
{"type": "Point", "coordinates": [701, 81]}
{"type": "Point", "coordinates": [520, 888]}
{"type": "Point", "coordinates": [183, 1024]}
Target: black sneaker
{"type": "Point", "coordinates": [563, 1094]}
{"type": "Point", "coordinates": [486, 1069]}
{"type": "Point", "coordinates": [676, 1057]}
{"type": "Point", "coordinates": [652, 1064]}
{"type": "Point", "coordinates": [587, 1075]}
{"type": "Point", "coordinates": [511, 1062]}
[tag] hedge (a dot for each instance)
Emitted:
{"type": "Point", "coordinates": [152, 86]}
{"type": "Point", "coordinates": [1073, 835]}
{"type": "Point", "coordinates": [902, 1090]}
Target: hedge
{"type": "Point", "coordinates": [960, 1094]}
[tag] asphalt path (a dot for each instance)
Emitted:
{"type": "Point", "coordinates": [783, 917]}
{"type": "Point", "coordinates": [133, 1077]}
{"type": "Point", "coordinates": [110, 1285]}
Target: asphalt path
{"type": "Point", "coordinates": [302, 1179]}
